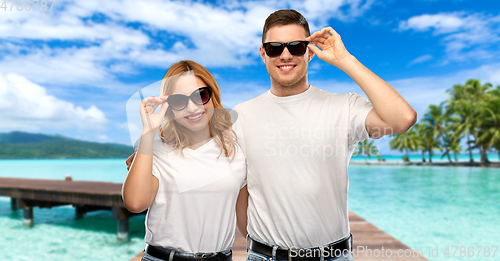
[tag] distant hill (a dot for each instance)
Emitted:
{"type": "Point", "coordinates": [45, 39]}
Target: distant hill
{"type": "Point", "coordinates": [23, 145]}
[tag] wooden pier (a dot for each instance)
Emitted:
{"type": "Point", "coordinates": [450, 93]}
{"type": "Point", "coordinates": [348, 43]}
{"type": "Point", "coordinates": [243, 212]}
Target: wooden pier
{"type": "Point", "coordinates": [85, 196]}
{"type": "Point", "coordinates": [368, 243]}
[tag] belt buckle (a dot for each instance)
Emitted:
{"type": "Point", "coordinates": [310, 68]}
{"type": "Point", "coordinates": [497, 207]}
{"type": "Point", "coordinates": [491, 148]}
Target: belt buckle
{"type": "Point", "coordinates": [205, 255]}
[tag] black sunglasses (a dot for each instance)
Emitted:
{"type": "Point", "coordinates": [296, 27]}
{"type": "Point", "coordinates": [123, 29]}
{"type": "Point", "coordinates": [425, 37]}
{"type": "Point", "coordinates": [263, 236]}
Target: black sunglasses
{"type": "Point", "coordinates": [274, 49]}
{"type": "Point", "coordinates": [179, 102]}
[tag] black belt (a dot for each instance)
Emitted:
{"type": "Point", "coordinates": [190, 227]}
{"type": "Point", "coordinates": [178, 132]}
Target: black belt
{"type": "Point", "coordinates": [309, 254]}
{"type": "Point", "coordinates": [165, 255]}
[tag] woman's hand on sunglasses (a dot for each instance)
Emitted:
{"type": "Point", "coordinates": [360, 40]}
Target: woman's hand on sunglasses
{"type": "Point", "coordinates": [151, 121]}
{"type": "Point", "coordinates": [332, 49]}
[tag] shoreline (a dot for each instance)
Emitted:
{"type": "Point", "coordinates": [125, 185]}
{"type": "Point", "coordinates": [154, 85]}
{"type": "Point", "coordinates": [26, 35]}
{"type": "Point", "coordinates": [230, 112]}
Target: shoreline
{"type": "Point", "coordinates": [442, 164]}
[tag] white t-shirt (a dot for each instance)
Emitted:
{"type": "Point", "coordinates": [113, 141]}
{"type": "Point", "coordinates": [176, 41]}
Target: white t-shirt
{"type": "Point", "coordinates": [194, 209]}
{"type": "Point", "coordinates": [297, 150]}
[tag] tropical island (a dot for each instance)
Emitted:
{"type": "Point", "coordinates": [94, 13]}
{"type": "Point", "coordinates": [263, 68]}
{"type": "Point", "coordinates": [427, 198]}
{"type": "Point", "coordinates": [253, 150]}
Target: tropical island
{"type": "Point", "coordinates": [470, 116]}
{"type": "Point", "coordinates": [23, 145]}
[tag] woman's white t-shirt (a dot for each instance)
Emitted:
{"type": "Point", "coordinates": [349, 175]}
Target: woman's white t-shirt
{"type": "Point", "coordinates": [194, 209]}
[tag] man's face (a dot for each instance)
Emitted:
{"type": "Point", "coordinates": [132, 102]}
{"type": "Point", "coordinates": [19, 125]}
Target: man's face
{"type": "Point", "coordinates": [286, 70]}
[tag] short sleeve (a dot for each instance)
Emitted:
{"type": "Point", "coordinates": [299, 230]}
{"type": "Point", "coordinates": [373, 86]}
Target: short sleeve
{"type": "Point", "coordinates": [239, 130]}
{"type": "Point", "coordinates": [245, 181]}
{"type": "Point", "coordinates": [156, 171]}
{"type": "Point", "coordinates": [359, 107]}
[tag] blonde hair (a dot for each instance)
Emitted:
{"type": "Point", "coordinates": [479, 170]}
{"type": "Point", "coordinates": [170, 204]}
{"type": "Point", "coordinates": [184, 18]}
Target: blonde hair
{"type": "Point", "coordinates": [175, 135]}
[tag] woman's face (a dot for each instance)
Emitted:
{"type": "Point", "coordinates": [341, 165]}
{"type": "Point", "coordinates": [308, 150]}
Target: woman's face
{"type": "Point", "coordinates": [194, 117]}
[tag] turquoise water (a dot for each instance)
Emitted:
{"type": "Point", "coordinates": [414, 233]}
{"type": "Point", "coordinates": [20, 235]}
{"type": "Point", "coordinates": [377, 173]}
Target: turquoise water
{"type": "Point", "coordinates": [110, 170]}
{"type": "Point", "coordinates": [421, 206]}
{"type": "Point", "coordinates": [430, 207]}
{"type": "Point", "coordinates": [56, 234]}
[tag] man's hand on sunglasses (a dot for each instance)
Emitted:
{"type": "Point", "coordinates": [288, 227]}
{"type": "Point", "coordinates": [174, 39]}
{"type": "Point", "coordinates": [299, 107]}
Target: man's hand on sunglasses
{"type": "Point", "coordinates": [151, 121]}
{"type": "Point", "coordinates": [332, 49]}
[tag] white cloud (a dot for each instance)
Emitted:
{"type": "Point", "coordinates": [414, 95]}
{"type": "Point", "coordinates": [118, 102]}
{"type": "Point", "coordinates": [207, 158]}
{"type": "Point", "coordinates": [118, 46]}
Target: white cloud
{"type": "Point", "coordinates": [103, 137]}
{"type": "Point", "coordinates": [93, 51]}
{"type": "Point", "coordinates": [26, 106]}
{"type": "Point", "coordinates": [68, 48]}
{"type": "Point", "coordinates": [318, 12]}
{"type": "Point", "coordinates": [465, 36]}
{"type": "Point", "coordinates": [421, 59]}
{"type": "Point", "coordinates": [441, 23]}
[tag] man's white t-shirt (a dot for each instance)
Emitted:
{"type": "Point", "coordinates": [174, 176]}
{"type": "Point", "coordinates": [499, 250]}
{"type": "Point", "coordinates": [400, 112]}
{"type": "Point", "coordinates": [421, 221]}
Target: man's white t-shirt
{"type": "Point", "coordinates": [297, 150]}
{"type": "Point", "coordinates": [194, 209]}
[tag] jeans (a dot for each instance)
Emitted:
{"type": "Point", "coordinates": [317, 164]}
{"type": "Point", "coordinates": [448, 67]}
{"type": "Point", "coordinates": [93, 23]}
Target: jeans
{"type": "Point", "coordinates": [254, 256]}
{"type": "Point", "coordinates": [147, 257]}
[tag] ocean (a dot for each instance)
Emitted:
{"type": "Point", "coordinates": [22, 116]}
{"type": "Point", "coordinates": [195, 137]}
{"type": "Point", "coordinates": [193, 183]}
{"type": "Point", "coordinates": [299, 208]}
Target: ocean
{"type": "Point", "coordinates": [425, 207]}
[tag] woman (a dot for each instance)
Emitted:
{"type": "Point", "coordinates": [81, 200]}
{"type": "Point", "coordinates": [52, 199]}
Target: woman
{"type": "Point", "coordinates": [193, 180]}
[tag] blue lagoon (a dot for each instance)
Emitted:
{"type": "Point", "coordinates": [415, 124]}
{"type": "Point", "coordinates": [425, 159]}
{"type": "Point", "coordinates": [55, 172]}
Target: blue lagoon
{"type": "Point", "coordinates": [425, 207]}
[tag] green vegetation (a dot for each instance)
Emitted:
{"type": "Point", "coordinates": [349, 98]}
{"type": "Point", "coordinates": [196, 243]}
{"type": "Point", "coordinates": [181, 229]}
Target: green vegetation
{"type": "Point", "coordinates": [406, 141]}
{"type": "Point", "coordinates": [472, 112]}
{"type": "Point", "coordinates": [367, 149]}
{"type": "Point", "coordinates": [22, 145]}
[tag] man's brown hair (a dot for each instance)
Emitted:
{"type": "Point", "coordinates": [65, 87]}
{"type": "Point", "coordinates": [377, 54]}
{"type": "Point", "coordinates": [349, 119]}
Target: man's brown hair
{"type": "Point", "coordinates": [285, 17]}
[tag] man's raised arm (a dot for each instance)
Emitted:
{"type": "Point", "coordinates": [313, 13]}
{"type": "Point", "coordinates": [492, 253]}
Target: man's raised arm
{"type": "Point", "coordinates": [391, 113]}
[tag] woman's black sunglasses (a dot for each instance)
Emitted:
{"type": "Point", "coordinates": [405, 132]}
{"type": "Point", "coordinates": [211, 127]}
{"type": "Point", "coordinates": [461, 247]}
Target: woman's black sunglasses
{"type": "Point", "coordinates": [274, 49]}
{"type": "Point", "coordinates": [180, 101]}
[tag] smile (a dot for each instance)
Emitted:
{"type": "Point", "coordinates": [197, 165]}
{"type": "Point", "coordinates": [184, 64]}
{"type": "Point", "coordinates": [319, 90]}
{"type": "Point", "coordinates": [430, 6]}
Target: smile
{"type": "Point", "coordinates": [195, 117]}
{"type": "Point", "coordinates": [286, 67]}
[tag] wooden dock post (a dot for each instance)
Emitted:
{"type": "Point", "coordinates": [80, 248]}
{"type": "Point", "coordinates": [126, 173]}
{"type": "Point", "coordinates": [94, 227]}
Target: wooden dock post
{"type": "Point", "coordinates": [28, 216]}
{"type": "Point", "coordinates": [79, 211]}
{"type": "Point", "coordinates": [14, 204]}
{"type": "Point", "coordinates": [123, 229]}
{"type": "Point", "coordinates": [85, 196]}
{"type": "Point", "coordinates": [120, 214]}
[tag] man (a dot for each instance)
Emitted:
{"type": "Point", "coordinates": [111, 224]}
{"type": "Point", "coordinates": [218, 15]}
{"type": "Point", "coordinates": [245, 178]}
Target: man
{"type": "Point", "coordinates": [298, 141]}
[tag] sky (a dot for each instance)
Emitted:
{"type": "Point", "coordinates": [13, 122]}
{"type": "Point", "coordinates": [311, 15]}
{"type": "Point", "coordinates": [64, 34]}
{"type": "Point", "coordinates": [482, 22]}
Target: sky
{"type": "Point", "coordinates": [70, 69]}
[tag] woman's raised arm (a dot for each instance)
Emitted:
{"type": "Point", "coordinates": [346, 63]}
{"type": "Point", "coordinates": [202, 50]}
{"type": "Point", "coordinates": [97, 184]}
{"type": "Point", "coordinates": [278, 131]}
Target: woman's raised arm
{"type": "Point", "coordinates": [140, 186]}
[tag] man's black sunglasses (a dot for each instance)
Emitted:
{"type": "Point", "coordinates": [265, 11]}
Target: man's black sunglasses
{"type": "Point", "coordinates": [274, 49]}
{"type": "Point", "coordinates": [200, 96]}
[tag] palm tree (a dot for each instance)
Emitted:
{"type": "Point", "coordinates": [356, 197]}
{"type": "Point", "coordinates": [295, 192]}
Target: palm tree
{"type": "Point", "coordinates": [435, 129]}
{"type": "Point", "coordinates": [466, 124]}
{"type": "Point", "coordinates": [426, 140]}
{"type": "Point", "coordinates": [367, 148]}
{"type": "Point", "coordinates": [497, 147]}
{"type": "Point", "coordinates": [407, 141]}
{"type": "Point", "coordinates": [471, 112]}
{"type": "Point", "coordinates": [489, 132]}
{"type": "Point", "coordinates": [465, 102]}
{"type": "Point", "coordinates": [452, 146]}
{"type": "Point", "coordinates": [496, 94]}
{"type": "Point", "coordinates": [451, 141]}
{"type": "Point", "coordinates": [420, 129]}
